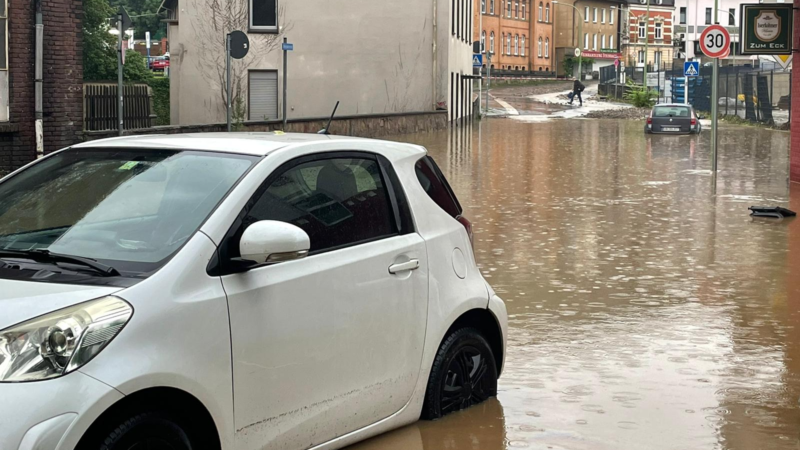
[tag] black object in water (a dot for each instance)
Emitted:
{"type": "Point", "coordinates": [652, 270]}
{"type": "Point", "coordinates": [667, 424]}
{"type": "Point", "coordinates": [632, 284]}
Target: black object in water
{"type": "Point", "coordinates": [775, 212]}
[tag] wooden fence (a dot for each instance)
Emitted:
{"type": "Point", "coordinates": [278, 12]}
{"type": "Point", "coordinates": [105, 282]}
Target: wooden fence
{"type": "Point", "coordinates": [100, 107]}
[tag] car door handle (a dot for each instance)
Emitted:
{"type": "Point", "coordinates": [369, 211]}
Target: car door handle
{"type": "Point", "coordinates": [402, 267]}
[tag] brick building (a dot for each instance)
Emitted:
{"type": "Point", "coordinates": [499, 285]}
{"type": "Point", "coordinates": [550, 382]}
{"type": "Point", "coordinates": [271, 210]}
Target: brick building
{"type": "Point", "coordinates": [62, 79]}
{"type": "Point", "coordinates": [512, 30]}
{"type": "Point", "coordinates": [655, 30]}
{"type": "Point", "coordinates": [592, 26]}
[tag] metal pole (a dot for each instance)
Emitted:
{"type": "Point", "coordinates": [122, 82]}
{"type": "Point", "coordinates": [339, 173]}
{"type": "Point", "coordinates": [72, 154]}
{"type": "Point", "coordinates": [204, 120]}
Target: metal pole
{"type": "Point", "coordinates": [714, 105]}
{"type": "Point", "coordinates": [646, 44]}
{"type": "Point", "coordinates": [228, 80]}
{"type": "Point", "coordinates": [285, 57]}
{"type": "Point", "coordinates": [120, 94]}
{"type": "Point", "coordinates": [736, 99]}
{"type": "Point", "coordinates": [483, 46]}
{"type": "Point", "coordinates": [488, 77]}
{"type": "Point", "coordinates": [580, 34]}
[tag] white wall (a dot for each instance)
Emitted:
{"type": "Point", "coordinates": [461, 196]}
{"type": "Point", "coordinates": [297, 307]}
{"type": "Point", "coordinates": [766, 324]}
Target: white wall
{"type": "Point", "coordinates": [373, 56]}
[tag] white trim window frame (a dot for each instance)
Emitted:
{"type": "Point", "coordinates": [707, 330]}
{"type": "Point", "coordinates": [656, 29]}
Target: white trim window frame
{"type": "Point", "coordinates": [659, 30]}
{"type": "Point", "coordinates": [585, 14]}
{"type": "Point", "coordinates": [263, 27]}
{"type": "Point", "coordinates": [642, 30]}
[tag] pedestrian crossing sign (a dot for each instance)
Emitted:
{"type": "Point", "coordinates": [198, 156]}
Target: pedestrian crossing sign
{"type": "Point", "coordinates": [691, 68]}
{"type": "Point", "coordinates": [477, 60]}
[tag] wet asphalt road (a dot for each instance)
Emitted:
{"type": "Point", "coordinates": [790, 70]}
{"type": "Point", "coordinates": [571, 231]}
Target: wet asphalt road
{"type": "Point", "coordinates": [645, 311]}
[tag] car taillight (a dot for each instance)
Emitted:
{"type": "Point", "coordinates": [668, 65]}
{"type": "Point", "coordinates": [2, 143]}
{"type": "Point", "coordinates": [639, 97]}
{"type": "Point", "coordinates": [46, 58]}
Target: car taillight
{"type": "Point", "coordinates": [649, 120]}
{"type": "Point", "coordinates": [468, 225]}
{"type": "Point", "coordinates": [694, 121]}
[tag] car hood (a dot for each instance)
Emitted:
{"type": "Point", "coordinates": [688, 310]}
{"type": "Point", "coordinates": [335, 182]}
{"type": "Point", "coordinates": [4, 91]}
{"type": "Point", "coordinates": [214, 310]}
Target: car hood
{"type": "Point", "coordinates": [24, 300]}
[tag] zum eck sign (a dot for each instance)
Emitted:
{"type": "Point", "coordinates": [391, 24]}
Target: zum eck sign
{"type": "Point", "coordinates": [766, 29]}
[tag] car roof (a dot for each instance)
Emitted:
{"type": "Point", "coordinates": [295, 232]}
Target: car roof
{"type": "Point", "coordinates": [673, 104]}
{"type": "Point", "coordinates": [256, 143]}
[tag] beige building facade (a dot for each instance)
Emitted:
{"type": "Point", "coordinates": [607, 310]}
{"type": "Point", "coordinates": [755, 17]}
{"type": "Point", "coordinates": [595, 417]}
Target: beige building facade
{"type": "Point", "coordinates": [590, 25]}
{"type": "Point", "coordinates": [373, 57]}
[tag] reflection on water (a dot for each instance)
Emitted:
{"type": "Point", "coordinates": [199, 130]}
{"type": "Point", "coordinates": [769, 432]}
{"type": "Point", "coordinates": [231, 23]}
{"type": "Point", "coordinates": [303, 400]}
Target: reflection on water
{"type": "Point", "coordinates": [644, 312]}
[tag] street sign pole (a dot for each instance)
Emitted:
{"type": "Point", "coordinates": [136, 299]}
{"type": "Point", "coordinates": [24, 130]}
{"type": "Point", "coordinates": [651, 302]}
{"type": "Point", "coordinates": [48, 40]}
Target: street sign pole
{"type": "Point", "coordinates": [488, 77]}
{"type": "Point", "coordinates": [120, 57]}
{"type": "Point", "coordinates": [285, 66]}
{"type": "Point", "coordinates": [715, 106]}
{"type": "Point", "coordinates": [228, 79]}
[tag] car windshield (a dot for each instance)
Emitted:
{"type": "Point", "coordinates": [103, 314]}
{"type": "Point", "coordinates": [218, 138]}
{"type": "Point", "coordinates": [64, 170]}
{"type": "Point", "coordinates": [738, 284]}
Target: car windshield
{"type": "Point", "coordinates": [129, 208]}
{"type": "Point", "coordinates": [672, 111]}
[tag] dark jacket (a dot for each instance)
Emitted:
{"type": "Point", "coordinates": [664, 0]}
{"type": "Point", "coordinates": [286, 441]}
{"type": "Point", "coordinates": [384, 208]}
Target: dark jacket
{"type": "Point", "coordinates": [578, 86]}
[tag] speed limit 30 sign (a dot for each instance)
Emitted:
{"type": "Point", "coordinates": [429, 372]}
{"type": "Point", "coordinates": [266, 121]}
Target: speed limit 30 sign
{"type": "Point", "coordinates": [715, 41]}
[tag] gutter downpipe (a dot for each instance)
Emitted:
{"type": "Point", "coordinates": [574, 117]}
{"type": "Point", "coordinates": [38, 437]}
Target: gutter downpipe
{"type": "Point", "coordinates": [39, 112]}
{"type": "Point", "coordinates": [435, 51]}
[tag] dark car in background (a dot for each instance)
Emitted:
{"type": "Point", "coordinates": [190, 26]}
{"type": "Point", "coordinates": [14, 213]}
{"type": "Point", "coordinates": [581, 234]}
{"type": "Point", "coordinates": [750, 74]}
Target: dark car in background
{"type": "Point", "coordinates": [673, 118]}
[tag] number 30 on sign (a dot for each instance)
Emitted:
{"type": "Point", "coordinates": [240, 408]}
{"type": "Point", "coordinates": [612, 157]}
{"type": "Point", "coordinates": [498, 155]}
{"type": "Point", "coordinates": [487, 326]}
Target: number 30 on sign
{"type": "Point", "coordinates": [715, 42]}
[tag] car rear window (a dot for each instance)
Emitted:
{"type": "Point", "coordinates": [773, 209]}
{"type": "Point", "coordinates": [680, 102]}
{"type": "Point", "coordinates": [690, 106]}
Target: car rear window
{"type": "Point", "coordinates": [672, 111]}
{"type": "Point", "coordinates": [435, 184]}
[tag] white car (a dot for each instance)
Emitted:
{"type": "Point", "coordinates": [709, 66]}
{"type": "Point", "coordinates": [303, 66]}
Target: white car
{"type": "Point", "coordinates": [247, 291]}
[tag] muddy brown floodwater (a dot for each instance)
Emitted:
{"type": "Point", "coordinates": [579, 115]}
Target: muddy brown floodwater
{"type": "Point", "coordinates": [645, 312]}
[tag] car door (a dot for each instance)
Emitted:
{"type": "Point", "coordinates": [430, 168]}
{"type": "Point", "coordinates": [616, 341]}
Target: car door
{"type": "Point", "coordinates": [328, 344]}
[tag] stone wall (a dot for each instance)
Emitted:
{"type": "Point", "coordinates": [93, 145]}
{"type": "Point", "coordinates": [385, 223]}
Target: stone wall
{"type": "Point", "coordinates": [63, 80]}
{"type": "Point", "coordinates": [369, 126]}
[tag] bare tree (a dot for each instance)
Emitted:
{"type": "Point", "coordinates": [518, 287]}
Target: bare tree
{"type": "Point", "coordinates": [218, 18]}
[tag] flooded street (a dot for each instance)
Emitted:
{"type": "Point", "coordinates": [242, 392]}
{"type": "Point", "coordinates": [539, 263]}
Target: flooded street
{"type": "Point", "coordinates": [645, 312]}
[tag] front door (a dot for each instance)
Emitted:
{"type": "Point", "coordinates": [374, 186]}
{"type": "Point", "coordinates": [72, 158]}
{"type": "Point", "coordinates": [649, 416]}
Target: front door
{"type": "Point", "coordinates": [328, 344]}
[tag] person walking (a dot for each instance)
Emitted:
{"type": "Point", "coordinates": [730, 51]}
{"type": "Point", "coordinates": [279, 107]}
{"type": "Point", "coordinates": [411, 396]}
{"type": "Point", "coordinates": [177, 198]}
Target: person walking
{"type": "Point", "coordinates": [577, 88]}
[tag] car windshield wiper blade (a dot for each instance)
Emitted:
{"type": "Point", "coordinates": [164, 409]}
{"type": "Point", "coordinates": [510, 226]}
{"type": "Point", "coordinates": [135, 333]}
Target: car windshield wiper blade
{"type": "Point", "coordinates": [43, 255]}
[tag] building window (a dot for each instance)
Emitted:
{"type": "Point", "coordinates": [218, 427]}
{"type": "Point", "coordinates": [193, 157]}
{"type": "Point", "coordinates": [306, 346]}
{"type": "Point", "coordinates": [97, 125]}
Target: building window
{"type": "Point", "coordinates": [586, 14]}
{"type": "Point", "coordinates": [264, 15]}
{"type": "Point", "coordinates": [540, 47]}
{"type": "Point", "coordinates": [503, 45]}
{"type": "Point", "coordinates": [657, 56]}
{"type": "Point", "coordinates": [683, 15]}
{"type": "Point", "coordinates": [642, 30]}
{"type": "Point", "coordinates": [594, 15]}
{"type": "Point", "coordinates": [522, 45]}
{"type": "Point", "coordinates": [491, 7]}
{"type": "Point", "coordinates": [263, 94]}
{"type": "Point", "coordinates": [659, 30]}
{"type": "Point", "coordinates": [611, 41]}
{"type": "Point", "coordinates": [516, 45]}
{"type": "Point", "coordinates": [453, 17]}
{"type": "Point", "coordinates": [483, 6]}
{"type": "Point", "coordinates": [491, 42]}
{"type": "Point", "coordinates": [586, 41]}
{"type": "Point", "coordinates": [508, 13]}
{"type": "Point", "coordinates": [483, 41]}
{"type": "Point", "coordinates": [523, 9]}
{"type": "Point", "coordinates": [541, 11]}
{"type": "Point", "coordinates": [611, 16]}
{"type": "Point", "coordinates": [508, 44]}
{"type": "Point", "coordinates": [547, 47]}
{"type": "Point", "coordinates": [603, 42]}
{"type": "Point", "coordinates": [603, 15]}
{"type": "Point", "coordinates": [516, 9]}
{"type": "Point", "coordinates": [594, 42]}
{"type": "Point", "coordinates": [708, 16]}
{"type": "Point", "coordinates": [641, 57]}
{"type": "Point", "coordinates": [547, 13]}
{"type": "Point", "coordinates": [732, 16]}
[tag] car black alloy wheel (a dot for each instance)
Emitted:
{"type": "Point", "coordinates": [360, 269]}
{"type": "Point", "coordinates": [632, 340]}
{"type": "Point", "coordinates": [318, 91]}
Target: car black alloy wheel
{"type": "Point", "coordinates": [464, 374]}
{"type": "Point", "coordinates": [147, 431]}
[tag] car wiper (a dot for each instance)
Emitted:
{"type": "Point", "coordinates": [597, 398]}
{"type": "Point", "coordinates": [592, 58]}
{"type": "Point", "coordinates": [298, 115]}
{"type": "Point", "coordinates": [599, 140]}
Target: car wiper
{"type": "Point", "coordinates": [43, 255]}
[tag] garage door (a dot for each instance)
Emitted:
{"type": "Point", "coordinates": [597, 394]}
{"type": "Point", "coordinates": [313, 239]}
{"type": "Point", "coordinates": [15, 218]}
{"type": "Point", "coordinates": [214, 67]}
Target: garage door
{"type": "Point", "coordinates": [263, 95]}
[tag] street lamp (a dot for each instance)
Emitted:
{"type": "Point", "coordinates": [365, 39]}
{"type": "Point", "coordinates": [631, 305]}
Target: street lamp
{"type": "Point", "coordinates": [580, 33]}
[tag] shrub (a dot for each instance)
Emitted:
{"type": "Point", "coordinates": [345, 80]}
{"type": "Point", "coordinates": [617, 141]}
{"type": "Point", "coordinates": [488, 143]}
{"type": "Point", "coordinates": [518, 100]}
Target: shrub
{"type": "Point", "coordinates": [160, 87]}
{"type": "Point", "coordinates": [640, 96]}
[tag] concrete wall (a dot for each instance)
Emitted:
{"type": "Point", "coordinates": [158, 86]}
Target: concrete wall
{"type": "Point", "coordinates": [374, 57]}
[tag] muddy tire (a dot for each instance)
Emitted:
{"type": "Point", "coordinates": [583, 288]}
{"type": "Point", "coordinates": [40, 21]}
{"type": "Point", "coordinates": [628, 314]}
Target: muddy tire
{"type": "Point", "coordinates": [464, 374]}
{"type": "Point", "coordinates": [146, 431]}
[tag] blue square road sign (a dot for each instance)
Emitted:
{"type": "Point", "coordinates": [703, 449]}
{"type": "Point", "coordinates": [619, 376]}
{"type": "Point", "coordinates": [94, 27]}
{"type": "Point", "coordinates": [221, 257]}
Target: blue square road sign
{"type": "Point", "coordinates": [287, 47]}
{"type": "Point", "coordinates": [691, 68]}
{"type": "Point", "coordinates": [477, 60]}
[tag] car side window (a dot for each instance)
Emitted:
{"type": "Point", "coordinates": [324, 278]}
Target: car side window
{"type": "Point", "coordinates": [338, 201]}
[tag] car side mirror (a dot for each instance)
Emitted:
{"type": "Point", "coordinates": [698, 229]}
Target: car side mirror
{"type": "Point", "coordinates": [270, 241]}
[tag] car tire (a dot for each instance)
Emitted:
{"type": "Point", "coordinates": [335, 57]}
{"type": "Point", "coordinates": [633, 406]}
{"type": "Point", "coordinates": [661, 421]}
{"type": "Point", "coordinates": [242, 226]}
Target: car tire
{"type": "Point", "coordinates": [464, 374]}
{"type": "Point", "coordinates": [151, 430]}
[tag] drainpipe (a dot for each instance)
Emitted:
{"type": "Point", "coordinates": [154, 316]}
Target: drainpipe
{"type": "Point", "coordinates": [39, 126]}
{"type": "Point", "coordinates": [435, 50]}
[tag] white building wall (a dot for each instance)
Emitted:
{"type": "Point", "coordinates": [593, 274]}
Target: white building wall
{"type": "Point", "coordinates": [696, 20]}
{"type": "Point", "coordinates": [373, 57]}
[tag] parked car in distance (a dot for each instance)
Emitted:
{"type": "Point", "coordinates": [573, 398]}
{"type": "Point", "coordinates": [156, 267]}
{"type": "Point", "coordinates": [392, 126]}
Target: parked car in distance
{"type": "Point", "coordinates": [673, 118]}
{"type": "Point", "coordinates": [159, 63]}
{"type": "Point", "coordinates": [237, 291]}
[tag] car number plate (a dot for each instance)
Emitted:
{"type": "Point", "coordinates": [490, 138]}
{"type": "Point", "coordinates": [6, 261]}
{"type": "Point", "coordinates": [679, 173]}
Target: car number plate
{"type": "Point", "coordinates": [672, 129]}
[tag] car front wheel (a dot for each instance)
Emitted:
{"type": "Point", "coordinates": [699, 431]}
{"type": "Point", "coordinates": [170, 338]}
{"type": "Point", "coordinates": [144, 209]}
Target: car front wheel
{"type": "Point", "coordinates": [146, 431]}
{"type": "Point", "coordinates": [464, 374]}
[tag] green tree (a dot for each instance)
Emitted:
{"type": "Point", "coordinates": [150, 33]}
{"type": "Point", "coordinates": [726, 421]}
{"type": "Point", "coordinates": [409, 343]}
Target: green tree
{"type": "Point", "coordinates": [145, 16]}
{"type": "Point", "coordinates": [99, 47]}
{"type": "Point", "coordinates": [136, 70]}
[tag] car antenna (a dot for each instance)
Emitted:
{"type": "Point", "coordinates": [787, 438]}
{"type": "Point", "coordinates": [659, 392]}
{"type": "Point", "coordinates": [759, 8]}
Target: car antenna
{"type": "Point", "coordinates": [328, 127]}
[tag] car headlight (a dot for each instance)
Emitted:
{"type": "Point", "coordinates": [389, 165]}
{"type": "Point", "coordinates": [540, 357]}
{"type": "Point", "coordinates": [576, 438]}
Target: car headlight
{"type": "Point", "coordinates": [57, 343]}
